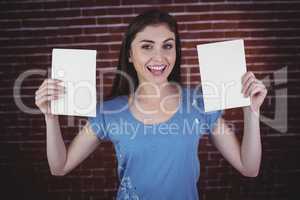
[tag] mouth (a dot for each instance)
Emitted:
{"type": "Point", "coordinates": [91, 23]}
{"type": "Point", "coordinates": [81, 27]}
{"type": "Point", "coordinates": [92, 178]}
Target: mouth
{"type": "Point", "coordinates": [156, 70]}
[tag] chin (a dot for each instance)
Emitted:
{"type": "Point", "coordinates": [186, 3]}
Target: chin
{"type": "Point", "coordinates": [160, 82]}
{"type": "Point", "coordinates": [158, 79]}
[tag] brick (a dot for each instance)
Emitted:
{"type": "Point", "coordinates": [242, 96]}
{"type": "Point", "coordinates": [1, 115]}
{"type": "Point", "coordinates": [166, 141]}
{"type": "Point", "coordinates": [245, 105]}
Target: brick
{"type": "Point", "coordinates": [10, 24]}
{"type": "Point", "coordinates": [91, 3]}
{"type": "Point", "coordinates": [95, 30]}
{"type": "Point", "coordinates": [111, 20]}
{"type": "Point", "coordinates": [9, 6]}
{"type": "Point", "coordinates": [58, 23]}
{"type": "Point", "coordinates": [253, 6]}
{"type": "Point", "coordinates": [31, 29]}
{"type": "Point", "coordinates": [41, 14]}
{"type": "Point", "coordinates": [141, 2]}
{"type": "Point", "coordinates": [198, 8]}
{"type": "Point", "coordinates": [118, 29]}
{"type": "Point", "coordinates": [24, 42]}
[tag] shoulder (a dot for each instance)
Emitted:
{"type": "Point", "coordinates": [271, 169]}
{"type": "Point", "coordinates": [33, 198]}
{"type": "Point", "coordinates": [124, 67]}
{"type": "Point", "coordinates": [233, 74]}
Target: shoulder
{"type": "Point", "coordinates": [193, 96]}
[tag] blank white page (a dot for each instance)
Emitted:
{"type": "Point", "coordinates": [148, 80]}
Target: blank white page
{"type": "Point", "coordinates": [77, 69]}
{"type": "Point", "coordinates": [222, 65]}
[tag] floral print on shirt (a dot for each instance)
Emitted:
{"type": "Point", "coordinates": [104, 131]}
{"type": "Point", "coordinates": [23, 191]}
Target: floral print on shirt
{"type": "Point", "coordinates": [126, 190]}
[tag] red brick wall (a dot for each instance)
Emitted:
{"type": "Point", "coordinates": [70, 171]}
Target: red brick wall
{"type": "Point", "coordinates": [30, 29]}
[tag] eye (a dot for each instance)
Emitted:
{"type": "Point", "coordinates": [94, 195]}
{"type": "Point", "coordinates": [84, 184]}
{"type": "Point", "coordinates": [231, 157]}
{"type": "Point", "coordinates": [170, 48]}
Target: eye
{"type": "Point", "coordinates": [168, 46]}
{"type": "Point", "coordinates": [146, 46]}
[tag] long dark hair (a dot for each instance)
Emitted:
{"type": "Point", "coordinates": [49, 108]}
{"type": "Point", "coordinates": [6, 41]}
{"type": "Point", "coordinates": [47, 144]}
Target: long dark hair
{"type": "Point", "coordinates": [121, 85]}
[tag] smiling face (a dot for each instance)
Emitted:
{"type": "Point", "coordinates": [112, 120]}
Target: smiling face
{"type": "Point", "coordinates": [153, 53]}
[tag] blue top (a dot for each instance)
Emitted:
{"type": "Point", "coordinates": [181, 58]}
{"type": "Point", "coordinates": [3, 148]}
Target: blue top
{"type": "Point", "coordinates": [157, 161]}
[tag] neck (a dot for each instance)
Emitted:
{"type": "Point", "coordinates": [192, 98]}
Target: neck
{"type": "Point", "coordinates": [155, 92]}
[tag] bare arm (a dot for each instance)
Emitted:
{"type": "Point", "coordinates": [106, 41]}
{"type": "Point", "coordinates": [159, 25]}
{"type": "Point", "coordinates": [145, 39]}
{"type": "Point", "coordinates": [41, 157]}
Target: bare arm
{"type": "Point", "coordinates": [62, 160]}
{"type": "Point", "coordinates": [244, 157]}
{"type": "Point", "coordinates": [251, 143]}
{"type": "Point", "coordinates": [56, 149]}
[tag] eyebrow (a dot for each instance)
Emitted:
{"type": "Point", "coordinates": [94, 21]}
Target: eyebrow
{"type": "Point", "coordinates": [166, 40]}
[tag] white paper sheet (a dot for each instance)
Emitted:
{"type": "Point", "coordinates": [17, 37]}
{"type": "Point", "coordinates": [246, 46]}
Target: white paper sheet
{"type": "Point", "coordinates": [77, 69]}
{"type": "Point", "coordinates": [222, 65]}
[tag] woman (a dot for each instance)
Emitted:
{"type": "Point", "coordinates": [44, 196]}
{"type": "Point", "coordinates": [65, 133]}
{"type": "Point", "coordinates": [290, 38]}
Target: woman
{"type": "Point", "coordinates": [154, 123]}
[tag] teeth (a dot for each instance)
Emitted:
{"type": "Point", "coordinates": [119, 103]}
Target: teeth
{"type": "Point", "coordinates": [157, 67]}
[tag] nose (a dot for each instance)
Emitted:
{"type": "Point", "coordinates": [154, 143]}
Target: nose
{"type": "Point", "coordinates": [157, 55]}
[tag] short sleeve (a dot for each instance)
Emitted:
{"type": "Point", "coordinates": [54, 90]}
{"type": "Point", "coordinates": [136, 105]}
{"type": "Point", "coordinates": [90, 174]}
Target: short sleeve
{"type": "Point", "coordinates": [98, 125]}
{"type": "Point", "coordinates": [205, 120]}
{"type": "Point", "coordinates": [211, 119]}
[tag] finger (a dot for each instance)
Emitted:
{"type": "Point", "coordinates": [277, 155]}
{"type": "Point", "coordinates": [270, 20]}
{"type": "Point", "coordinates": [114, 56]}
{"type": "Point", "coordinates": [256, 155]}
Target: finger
{"type": "Point", "coordinates": [45, 99]}
{"type": "Point", "coordinates": [49, 92]}
{"type": "Point", "coordinates": [255, 89]}
{"type": "Point", "coordinates": [262, 90]}
{"type": "Point", "coordinates": [246, 76]}
{"type": "Point", "coordinates": [260, 83]}
{"type": "Point", "coordinates": [247, 84]}
{"type": "Point", "coordinates": [50, 86]}
{"type": "Point", "coordinates": [45, 91]}
{"type": "Point", "coordinates": [245, 80]}
{"type": "Point", "coordinates": [44, 82]}
{"type": "Point", "coordinates": [50, 81]}
{"type": "Point", "coordinates": [251, 86]}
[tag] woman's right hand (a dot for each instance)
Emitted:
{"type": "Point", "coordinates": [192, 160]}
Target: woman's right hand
{"type": "Point", "coordinates": [49, 90]}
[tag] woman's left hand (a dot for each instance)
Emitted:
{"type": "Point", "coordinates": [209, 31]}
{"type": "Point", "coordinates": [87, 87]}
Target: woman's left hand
{"type": "Point", "coordinates": [255, 89]}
